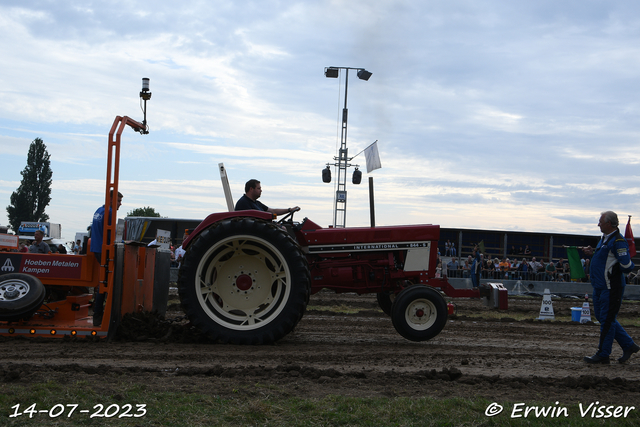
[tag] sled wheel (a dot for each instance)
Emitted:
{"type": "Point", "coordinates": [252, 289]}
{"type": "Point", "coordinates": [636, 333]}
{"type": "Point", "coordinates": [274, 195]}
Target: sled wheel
{"type": "Point", "coordinates": [20, 296]}
{"type": "Point", "coordinates": [419, 313]}
{"type": "Point", "coordinates": [244, 281]}
{"type": "Point", "coordinates": [385, 301]}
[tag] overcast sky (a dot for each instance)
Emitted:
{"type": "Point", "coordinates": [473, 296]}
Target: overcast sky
{"type": "Point", "coordinates": [509, 115]}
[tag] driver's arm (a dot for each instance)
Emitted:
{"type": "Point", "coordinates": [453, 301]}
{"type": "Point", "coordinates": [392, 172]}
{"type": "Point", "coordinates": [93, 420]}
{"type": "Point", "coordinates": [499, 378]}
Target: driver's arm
{"type": "Point", "coordinates": [283, 211]}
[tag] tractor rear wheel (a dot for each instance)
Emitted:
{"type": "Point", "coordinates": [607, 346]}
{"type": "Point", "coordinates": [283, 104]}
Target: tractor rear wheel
{"type": "Point", "coordinates": [244, 281]}
{"type": "Point", "coordinates": [20, 296]}
{"type": "Point", "coordinates": [419, 313]}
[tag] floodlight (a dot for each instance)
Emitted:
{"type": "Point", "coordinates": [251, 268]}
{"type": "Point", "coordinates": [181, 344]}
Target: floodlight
{"type": "Point", "coordinates": [364, 74]}
{"type": "Point", "coordinates": [357, 176]}
{"type": "Point", "coordinates": [326, 174]}
{"type": "Point", "coordinates": [331, 72]}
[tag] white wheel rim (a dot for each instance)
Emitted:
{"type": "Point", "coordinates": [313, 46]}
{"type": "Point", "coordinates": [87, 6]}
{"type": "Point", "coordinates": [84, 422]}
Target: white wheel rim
{"type": "Point", "coordinates": [13, 290]}
{"type": "Point", "coordinates": [421, 314]}
{"type": "Point", "coordinates": [243, 282]}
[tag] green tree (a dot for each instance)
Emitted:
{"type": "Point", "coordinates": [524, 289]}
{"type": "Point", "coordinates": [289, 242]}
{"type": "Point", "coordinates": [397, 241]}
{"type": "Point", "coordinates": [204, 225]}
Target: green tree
{"type": "Point", "coordinates": [30, 200]}
{"type": "Point", "coordinates": [147, 211]}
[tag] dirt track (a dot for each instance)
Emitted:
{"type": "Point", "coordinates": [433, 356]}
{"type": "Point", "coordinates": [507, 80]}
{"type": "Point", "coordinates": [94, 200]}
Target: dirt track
{"type": "Point", "coordinates": [353, 354]}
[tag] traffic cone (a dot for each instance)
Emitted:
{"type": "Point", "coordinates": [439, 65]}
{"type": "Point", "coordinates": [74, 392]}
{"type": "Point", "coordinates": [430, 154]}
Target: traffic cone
{"type": "Point", "coordinates": [546, 309]}
{"type": "Point", "coordinates": [585, 315]}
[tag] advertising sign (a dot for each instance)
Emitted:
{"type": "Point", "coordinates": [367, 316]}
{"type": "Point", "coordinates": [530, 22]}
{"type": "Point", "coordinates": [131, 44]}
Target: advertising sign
{"type": "Point", "coordinates": [42, 266]}
{"type": "Point", "coordinates": [163, 239]}
{"type": "Point", "coordinates": [8, 241]}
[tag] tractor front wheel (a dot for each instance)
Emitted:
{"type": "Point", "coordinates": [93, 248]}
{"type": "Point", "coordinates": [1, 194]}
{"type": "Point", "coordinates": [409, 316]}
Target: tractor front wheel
{"type": "Point", "coordinates": [419, 313]}
{"type": "Point", "coordinates": [244, 281]}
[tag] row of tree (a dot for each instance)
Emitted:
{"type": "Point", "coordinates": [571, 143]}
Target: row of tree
{"type": "Point", "coordinates": [29, 201]}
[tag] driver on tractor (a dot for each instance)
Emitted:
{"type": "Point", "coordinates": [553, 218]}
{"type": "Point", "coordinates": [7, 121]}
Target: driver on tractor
{"type": "Point", "coordinates": [252, 191]}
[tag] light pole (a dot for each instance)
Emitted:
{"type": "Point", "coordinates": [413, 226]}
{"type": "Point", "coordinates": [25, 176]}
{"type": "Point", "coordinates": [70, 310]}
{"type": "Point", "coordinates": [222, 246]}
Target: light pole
{"type": "Point", "coordinates": [343, 159]}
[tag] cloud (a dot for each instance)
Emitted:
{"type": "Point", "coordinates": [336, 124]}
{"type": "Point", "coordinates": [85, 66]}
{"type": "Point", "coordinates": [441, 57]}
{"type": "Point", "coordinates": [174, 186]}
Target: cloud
{"type": "Point", "coordinates": [490, 115]}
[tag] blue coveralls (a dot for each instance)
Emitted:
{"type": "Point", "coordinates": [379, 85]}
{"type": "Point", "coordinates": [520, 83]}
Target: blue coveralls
{"type": "Point", "coordinates": [609, 263]}
{"type": "Point", "coordinates": [476, 267]}
{"type": "Point", "coordinates": [97, 231]}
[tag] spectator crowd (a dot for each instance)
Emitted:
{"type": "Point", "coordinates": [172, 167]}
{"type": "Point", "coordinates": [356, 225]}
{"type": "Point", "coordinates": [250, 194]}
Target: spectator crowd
{"type": "Point", "coordinates": [520, 266]}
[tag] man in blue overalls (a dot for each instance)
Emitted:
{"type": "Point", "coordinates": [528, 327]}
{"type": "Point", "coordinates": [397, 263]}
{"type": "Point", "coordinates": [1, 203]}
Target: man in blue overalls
{"type": "Point", "coordinates": [97, 231]}
{"type": "Point", "coordinates": [476, 267]}
{"type": "Point", "coordinates": [609, 263]}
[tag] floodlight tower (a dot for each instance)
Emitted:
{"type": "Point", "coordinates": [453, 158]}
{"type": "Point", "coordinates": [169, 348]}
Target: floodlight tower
{"type": "Point", "coordinates": [343, 159]}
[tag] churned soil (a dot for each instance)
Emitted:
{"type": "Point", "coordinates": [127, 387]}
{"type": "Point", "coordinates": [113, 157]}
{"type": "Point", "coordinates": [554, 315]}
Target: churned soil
{"type": "Point", "coordinates": [352, 351]}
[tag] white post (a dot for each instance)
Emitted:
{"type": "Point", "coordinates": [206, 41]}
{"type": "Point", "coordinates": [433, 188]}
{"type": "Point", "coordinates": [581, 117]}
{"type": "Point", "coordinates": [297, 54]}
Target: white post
{"type": "Point", "coordinates": [225, 187]}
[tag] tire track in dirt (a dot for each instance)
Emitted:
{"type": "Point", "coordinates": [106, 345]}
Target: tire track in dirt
{"type": "Point", "coordinates": [348, 354]}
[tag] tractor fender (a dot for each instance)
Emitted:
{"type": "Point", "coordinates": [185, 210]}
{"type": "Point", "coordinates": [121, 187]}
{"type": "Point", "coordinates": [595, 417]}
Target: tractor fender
{"type": "Point", "coordinates": [221, 216]}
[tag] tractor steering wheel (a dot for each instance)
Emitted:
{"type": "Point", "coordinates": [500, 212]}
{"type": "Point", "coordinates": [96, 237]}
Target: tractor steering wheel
{"type": "Point", "coordinates": [288, 218]}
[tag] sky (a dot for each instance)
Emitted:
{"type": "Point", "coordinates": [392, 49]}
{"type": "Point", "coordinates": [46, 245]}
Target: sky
{"type": "Point", "coordinates": [502, 115]}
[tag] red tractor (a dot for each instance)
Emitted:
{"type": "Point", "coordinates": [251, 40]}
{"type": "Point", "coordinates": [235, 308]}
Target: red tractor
{"type": "Point", "coordinates": [246, 279]}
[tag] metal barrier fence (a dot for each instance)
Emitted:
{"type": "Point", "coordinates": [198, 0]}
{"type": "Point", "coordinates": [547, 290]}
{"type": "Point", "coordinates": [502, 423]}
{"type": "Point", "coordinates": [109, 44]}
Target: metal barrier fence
{"type": "Point", "coordinates": [541, 276]}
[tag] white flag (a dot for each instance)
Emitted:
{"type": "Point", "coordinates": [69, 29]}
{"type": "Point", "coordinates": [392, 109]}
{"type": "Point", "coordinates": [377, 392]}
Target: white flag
{"type": "Point", "coordinates": [373, 157]}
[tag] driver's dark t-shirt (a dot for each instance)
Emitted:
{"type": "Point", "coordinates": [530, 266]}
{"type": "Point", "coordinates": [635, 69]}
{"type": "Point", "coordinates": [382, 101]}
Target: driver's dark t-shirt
{"type": "Point", "coordinates": [245, 204]}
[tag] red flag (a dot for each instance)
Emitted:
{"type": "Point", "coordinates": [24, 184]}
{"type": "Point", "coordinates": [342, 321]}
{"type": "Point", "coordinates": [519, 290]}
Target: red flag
{"type": "Point", "coordinates": [628, 236]}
